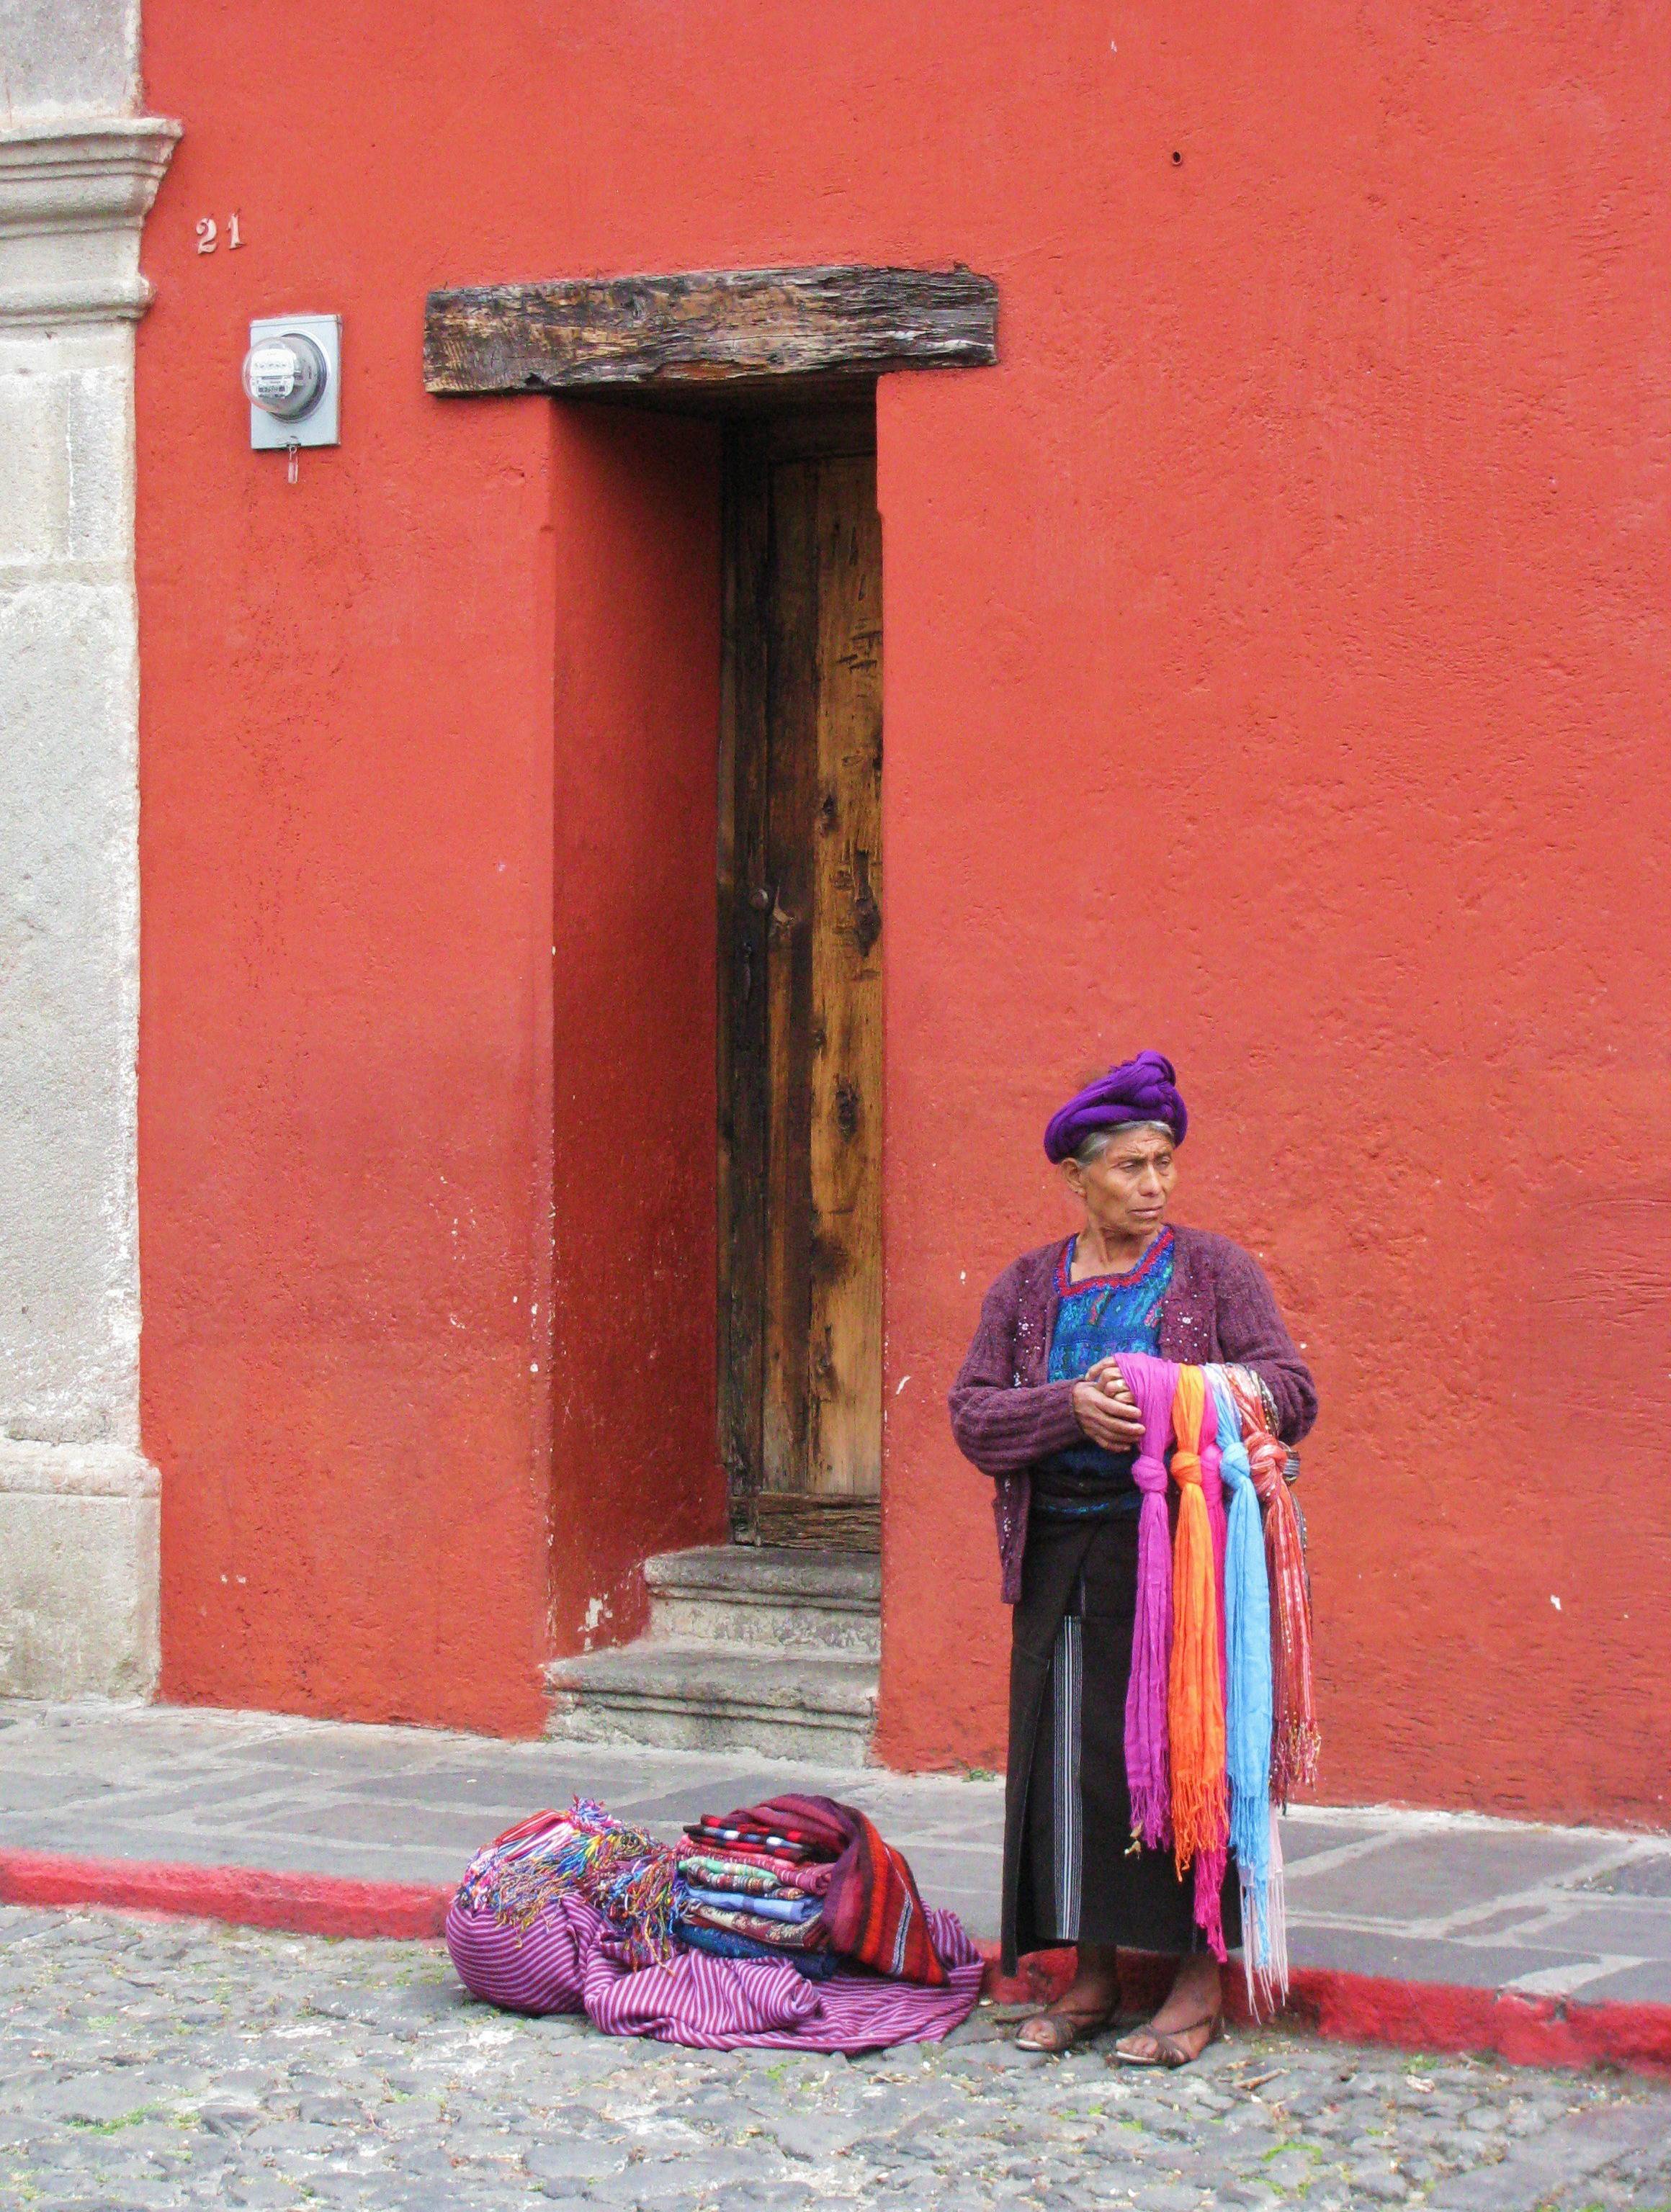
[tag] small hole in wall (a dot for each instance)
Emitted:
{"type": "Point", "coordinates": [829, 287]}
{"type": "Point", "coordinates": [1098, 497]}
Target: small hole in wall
{"type": "Point", "coordinates": [1177, 159]}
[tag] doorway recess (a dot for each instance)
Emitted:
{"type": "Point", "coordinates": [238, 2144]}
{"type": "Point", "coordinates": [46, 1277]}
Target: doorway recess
{"type": "Point", "coordinates": [789, 360]}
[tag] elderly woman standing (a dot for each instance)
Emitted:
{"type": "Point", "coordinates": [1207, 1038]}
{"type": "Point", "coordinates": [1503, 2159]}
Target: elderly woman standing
{"type": "Point", "coordinates": [1040, 1406]}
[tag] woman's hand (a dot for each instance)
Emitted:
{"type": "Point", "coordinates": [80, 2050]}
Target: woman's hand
{"type": "Point", "coordinates": [1105, 1409]}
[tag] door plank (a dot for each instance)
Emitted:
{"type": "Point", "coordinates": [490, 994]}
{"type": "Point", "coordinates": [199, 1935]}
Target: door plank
{"type": "Point", "coordinates": [742, 1028]}
{"type": "Point", "coordinates": [843, 1447]}
{"type": "Point", "coordinates": [818, 1524]}
{"type": "Point", "coordinates": [792, 796]}
{"type": "Point", "coordinates": [800, 1067]}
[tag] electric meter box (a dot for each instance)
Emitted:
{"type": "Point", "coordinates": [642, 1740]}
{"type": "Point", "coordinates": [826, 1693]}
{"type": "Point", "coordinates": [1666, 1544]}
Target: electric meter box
{"type": "Point", "coordinates": [293, 378]}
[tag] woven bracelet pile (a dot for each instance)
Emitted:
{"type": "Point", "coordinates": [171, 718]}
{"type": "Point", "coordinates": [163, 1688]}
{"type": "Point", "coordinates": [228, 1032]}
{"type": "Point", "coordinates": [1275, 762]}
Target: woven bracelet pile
{"type": "Point", "coordinates": [1220, 1723]}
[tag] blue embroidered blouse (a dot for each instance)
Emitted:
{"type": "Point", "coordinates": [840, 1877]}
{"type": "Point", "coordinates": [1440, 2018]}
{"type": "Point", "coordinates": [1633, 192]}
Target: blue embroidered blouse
{"type": "Point", "coordinates": [1095, 1319]}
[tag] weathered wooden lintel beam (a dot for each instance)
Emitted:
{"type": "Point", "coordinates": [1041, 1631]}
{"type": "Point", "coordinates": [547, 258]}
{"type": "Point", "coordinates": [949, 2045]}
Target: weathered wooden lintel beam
{"type": "Point", "coordinates": [707, 330]}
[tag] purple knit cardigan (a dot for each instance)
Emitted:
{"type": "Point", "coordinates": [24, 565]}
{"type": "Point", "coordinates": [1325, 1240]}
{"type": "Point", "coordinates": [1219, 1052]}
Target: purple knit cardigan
{"type": "Point", "coordinates": [1006, 1416]}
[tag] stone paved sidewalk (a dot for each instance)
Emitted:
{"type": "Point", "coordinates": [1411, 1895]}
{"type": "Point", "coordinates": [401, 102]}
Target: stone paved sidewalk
{"type": "Point", "coordinates": [148, 2065]}
{"type": "Point", "coordinates": [1412, 1897]}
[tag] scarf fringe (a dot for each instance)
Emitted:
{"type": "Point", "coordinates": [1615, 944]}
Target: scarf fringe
{"type": "Point", "coordinates": [623, 1873]}
{"type": "Point", "coordinates": [1271, 1967]}
{"type": "Point", "coordinates": [1209, 1899]}
{"type": "Point", "coordinates": [1195, 1704]}
{"type": "Point", "coordinates": [1152, 1383]}
{"type": "Point", "coordinates": [1247, 1682]}
{"type": "Point", "coordinates": [1146, 1766]}
{"type": "Point", "coordinates": [1293, 1759]}
{"type": "Point", "coordinates": [1252, 1905]}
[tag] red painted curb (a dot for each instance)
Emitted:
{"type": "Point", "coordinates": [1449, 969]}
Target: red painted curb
{"type": "Point", "coordinates": [1526, 2030]}
{"type": "Point", "coordinates": [252, 1897]}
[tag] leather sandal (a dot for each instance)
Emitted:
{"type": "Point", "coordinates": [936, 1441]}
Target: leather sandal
{"type": "Point", "coordinates": [1170, 2048]}
{"type": "Point", "coordinates": [1066, 2030]}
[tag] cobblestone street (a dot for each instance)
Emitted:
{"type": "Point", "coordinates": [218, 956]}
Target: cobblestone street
{"type": "Point", "coordinates": [148, 2064]}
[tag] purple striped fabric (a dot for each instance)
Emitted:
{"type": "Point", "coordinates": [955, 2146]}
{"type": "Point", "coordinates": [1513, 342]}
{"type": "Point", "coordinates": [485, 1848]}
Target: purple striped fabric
{"type": "Point", "coordinates": [566, 1962]}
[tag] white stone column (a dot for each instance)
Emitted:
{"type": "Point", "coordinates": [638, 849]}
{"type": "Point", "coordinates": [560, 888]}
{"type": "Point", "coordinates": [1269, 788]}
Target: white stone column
{"type": "Point", "coordinates": [78, 1500]}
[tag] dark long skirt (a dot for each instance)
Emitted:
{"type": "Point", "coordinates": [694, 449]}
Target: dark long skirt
{"type": "Point", "coordinates": [1069, 1875]}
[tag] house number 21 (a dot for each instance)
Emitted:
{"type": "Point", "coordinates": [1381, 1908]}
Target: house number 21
{"type": "Point", "coordinates": [209, 238]}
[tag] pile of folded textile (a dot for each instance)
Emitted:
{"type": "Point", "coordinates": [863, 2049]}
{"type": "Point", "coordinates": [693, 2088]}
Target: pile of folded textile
{"type": "Point", "coordinates": [791, 1923]}
{"type": "Point", "coordinates": [807, 1880]}
{"type": "Point", "coordinates": [752, 1889]}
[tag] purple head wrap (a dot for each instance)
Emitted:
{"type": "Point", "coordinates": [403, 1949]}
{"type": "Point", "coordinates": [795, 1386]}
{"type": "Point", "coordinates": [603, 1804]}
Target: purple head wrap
{"type": "Point", "coordinates": [1141, 1089]}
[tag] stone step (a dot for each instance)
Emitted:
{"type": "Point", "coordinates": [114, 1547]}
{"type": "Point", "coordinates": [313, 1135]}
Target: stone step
{"type": "Point", "coordinates": [681, 1693]}
{"type": "Point", "coordinates": [787, 1600]}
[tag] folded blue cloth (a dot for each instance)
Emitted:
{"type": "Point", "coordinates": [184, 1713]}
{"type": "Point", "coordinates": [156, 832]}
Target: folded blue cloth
{"type": "Point", "coordinates": [769, 1908]}
{"type": "Point", "coordinates": [720, 1943]}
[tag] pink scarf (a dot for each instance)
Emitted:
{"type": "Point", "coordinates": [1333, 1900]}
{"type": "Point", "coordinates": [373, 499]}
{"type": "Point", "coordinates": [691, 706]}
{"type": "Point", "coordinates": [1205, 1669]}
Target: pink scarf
{"type": "Point", "coordinates": [1151, 1383]}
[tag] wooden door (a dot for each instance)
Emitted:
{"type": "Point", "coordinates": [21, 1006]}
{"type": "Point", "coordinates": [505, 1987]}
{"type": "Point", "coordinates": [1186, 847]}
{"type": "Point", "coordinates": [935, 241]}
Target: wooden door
{"type": "Point", "coordinates": [801, 1052]}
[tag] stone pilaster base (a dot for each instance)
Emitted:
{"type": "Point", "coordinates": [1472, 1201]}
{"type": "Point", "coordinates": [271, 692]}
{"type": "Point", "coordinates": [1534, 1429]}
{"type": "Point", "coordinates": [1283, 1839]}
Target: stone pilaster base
{"type": "Point", "coordinates": [78, 1572]}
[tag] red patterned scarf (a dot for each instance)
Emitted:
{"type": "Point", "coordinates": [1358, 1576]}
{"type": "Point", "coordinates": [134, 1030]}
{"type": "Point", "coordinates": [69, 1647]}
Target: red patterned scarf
{"type": "Point", "coordinates": [1295, 1738]}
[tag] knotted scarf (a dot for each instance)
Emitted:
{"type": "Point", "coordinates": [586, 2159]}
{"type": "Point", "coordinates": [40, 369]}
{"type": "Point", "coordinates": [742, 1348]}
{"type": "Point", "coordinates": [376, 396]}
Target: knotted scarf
{"type": "Point", "coordinates": [1151, 1383]}
{"type": "Point", "coordinates": [1210, 1864]}
{"type": "Point", "coordinates": [1195, 1701]}
{"type": "Point", "coordinates": [1294, 1739]}
{"type": "Point", "coordinates": [1247, 1704]}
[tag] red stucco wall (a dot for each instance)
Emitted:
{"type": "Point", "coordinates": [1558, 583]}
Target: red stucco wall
{"type": "Point", "coordinates": [637, 1459]}
{"type": "Point", "coordinates": [1277, 660]}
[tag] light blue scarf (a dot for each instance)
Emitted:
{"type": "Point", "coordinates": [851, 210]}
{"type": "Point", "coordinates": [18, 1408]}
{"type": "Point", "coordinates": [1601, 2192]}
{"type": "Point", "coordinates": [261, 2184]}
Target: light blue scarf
{"type": "Point", "coordinates": [1247, 1706]}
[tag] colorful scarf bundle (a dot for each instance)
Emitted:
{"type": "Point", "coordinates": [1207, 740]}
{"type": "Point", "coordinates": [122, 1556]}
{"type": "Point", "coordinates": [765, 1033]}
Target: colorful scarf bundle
{"type": "Point", "coordinates": [713, 1871]}
{"type": "Point", "coordinates": [735, 1918]}
{"type": "Point", "coordinates": [1210, 1864]}
{"type": "Point", "coordinates": [1152, 1383]}
{"type": "Point", "coordinates": [624, 1873]}
{"type": "Point", "coordinates": [1220, 1724]}
{"type": "Point", "coordinates": [1247, 1721]}
{"type": "Point", "coordinates": [794, 1911]}
{"type": "Point", "coordinates": [721, 1943]}
{"type": "Point", "coordinates": [1294, 1739]}
{"type": "Point", "coordinates": [1195, 1692]}
{"type": "Point", "coordinates": [871, 1911]}
{"type": "Point", "coordinates": [751, 1839]}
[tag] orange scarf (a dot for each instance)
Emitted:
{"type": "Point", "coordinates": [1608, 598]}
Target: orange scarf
{"type": "Point", "coordinates": [1195, 1688]}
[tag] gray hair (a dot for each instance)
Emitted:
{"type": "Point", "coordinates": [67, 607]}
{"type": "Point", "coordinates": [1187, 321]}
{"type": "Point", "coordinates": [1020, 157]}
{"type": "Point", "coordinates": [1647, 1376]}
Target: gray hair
{"type": "Point", "coordinates": [1093, 1145]}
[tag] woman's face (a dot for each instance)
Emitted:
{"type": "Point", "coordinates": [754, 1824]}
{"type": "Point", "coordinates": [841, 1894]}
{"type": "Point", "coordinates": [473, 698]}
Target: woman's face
{"type": "Point", "coordinates": [1127, 1188]}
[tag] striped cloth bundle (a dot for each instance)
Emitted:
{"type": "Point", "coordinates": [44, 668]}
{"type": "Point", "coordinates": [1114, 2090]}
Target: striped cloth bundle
{"type": "Point", "coordinates": [792, 1924]}
{"type": "Point", "coordinates": [1220, 1722]}
{"type": "Point", "coordinates": [567, 1961]}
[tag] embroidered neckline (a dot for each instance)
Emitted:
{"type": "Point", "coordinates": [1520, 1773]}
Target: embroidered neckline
{"type": "Point", "coordinates": [1066, 1287]}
